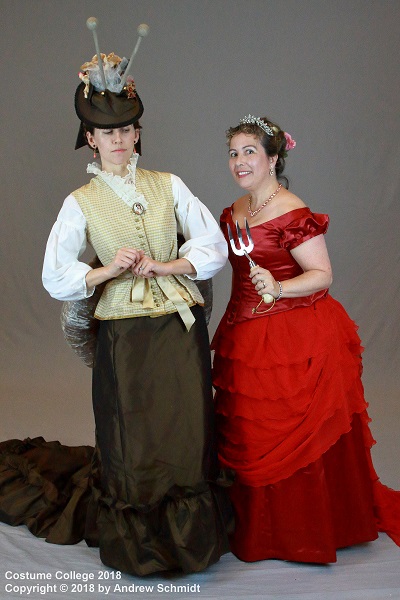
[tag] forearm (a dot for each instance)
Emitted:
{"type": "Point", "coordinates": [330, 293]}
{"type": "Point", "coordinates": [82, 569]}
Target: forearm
{"type": "Point", "coordinates": [312, 257]}
{"type": "Point", "coordinates": [206, 261]}
{"type": "Point", "coordinates": [181, 266]}
{"type": "Point", "coordinates": [97, 276]}
{"type": "Point", "coordinates": [124, 259]}
{"type": "Point", "coordinates": [304, 285]}
{"type": "Point", "coordinates": [147, 267]}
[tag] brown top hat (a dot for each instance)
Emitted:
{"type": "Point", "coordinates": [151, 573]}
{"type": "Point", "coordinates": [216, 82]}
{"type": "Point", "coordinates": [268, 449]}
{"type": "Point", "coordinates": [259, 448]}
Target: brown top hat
{"type": "Point", "coordinates": [105, 110]}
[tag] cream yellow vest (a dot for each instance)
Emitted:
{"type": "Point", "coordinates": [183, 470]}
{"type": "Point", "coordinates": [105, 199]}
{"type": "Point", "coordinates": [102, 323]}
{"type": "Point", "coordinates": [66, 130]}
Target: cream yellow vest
{"type": "Point", "coordinates": [112, 224]}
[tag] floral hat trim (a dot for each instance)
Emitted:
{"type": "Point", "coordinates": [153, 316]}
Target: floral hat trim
{"type": "Point", "coordinates": [113, 69]}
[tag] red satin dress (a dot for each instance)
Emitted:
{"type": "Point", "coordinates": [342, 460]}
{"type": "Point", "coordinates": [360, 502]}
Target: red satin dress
{"type": "Point", "coordinates": [291, 413]}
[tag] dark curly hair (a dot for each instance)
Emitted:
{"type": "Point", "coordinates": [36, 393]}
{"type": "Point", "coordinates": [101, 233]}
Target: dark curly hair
{"type": "Point", "coordinates": [272, 144]}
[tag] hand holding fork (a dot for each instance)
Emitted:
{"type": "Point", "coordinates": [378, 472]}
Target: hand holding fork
{"type": "Point", "coordinates": [245, 251]}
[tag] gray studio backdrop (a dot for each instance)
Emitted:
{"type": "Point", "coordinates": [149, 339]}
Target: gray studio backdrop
{"type": "Point", "coordinates": [326, 71]}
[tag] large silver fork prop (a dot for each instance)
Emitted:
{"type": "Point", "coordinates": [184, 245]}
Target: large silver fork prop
{"type": "Point", "coordinates": [245, 251]}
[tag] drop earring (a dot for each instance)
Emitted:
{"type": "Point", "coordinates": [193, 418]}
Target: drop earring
{"type": "Point", "coordinates": [95, 152]}
{"type": "Point", "coordinates": [271, 171]}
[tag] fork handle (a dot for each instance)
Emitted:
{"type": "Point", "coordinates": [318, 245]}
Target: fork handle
{"type": "Point", "coordinates": [268, 298]}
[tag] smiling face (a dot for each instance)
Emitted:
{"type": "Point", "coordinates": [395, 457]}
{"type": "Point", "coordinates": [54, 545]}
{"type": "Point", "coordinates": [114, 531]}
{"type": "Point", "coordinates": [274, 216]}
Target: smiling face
{"type": "Point", "coordinates": [248, 162]}
{"type": "Point", "coordinates": [115, 146]}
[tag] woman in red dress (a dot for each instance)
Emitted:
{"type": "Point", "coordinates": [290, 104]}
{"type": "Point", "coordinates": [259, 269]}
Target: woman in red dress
{"type": "Point", "coordinates": [291, 412]}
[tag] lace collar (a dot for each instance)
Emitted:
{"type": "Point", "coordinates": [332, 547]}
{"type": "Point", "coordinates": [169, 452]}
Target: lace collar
{"type": "Point", "coordinates": [124, 187]}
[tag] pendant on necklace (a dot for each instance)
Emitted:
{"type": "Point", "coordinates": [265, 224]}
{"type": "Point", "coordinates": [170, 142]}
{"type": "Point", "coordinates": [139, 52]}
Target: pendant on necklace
{"type": "Point", "coordinates": [138, 208]}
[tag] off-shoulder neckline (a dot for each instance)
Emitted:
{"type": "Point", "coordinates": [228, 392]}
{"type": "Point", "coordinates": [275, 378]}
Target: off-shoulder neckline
{"type": "Point", "coordinates": [294, 210]}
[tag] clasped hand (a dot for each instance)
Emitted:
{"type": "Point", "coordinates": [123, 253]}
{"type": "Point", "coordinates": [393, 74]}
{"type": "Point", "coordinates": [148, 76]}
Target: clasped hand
{"type": "Point", "coordinates": [148, 267]}
{"type": "Point", "coordinates": [125, 258]}
{"type": "Point", "coordinates": [138, 262]}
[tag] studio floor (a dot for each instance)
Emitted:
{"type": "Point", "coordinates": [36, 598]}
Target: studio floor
{"type": "Point", "coordinates": [366, 572]}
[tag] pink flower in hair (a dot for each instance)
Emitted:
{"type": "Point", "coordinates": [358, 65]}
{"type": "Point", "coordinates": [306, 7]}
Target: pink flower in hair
{"type": "Point", "coordinates": [290, 142]}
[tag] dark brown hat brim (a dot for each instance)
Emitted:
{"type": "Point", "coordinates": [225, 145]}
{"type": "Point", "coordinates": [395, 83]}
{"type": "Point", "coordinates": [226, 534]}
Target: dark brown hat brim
{"type": "Point", "coordinates": [105, 110]}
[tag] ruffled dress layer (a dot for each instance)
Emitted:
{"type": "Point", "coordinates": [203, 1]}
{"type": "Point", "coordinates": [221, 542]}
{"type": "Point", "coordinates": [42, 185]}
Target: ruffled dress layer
{"type": "Point", "coordinates": [291, 413]}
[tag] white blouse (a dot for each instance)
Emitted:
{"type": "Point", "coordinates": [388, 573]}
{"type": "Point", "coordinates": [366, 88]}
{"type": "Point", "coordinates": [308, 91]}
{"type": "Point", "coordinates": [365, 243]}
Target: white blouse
{"type": "Point", "coordinates": [64, 275]}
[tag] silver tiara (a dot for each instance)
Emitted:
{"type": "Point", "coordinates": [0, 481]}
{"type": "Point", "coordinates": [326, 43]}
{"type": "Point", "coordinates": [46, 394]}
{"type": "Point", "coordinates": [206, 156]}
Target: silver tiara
{"type": "Point", "coordinates": [251, 120]}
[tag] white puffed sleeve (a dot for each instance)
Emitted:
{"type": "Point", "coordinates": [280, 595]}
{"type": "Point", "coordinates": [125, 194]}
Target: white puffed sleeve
{"type": "Point", "coordinates": [205, 246]}
{"type": "Point", "coordinates": [63, 275]}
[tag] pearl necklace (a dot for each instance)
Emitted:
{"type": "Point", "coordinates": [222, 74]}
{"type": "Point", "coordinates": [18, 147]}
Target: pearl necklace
{"type": "Point", "coordinates": [254, 212]}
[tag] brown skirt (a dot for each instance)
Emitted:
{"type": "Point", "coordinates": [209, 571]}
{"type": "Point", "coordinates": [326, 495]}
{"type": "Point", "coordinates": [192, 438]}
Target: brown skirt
{"type": "Point", "coordinates": [153, 499]}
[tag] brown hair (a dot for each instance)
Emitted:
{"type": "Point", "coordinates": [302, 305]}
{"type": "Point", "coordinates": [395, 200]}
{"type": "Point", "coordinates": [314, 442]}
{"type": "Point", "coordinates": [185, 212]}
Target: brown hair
{"type": "Point", "coordinates": [272, 144]}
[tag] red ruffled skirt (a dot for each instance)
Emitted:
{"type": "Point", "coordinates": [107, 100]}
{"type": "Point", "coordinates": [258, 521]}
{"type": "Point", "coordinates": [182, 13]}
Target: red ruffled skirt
{"type": "Point", "coordinates": [293, 425]}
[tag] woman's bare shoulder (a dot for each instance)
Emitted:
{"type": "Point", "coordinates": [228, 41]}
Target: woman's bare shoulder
{"type": "Point", "coordinates": [289, 201]}
{"type": "Point", "coordinates": [239, 207]}
{"type": "Point", "coordinates": [283, 203]}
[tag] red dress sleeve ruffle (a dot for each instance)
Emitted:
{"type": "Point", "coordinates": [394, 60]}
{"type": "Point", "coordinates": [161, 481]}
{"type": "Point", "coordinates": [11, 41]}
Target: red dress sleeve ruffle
{"type": "Point", "coordinates": [303, 228]}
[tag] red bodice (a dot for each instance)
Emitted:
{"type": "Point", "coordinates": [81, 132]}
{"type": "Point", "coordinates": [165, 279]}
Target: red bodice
{"type": "Point", "coordinates": [273, 241]}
